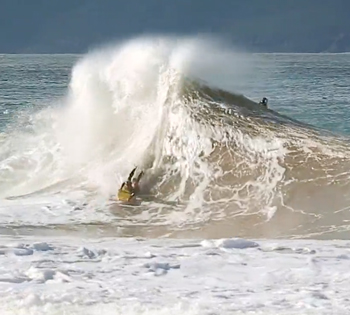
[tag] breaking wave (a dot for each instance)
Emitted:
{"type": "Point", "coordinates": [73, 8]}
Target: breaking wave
{"type": "Point", "coordinates": [216, 163]}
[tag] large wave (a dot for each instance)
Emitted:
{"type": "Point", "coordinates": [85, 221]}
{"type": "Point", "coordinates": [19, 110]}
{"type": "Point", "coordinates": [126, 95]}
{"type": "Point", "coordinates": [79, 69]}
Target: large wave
{"type": "Point", "coordinates": [216, 163]}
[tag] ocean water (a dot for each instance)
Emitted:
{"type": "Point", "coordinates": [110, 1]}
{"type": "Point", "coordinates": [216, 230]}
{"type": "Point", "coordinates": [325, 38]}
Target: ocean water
{"type": "Point", "coordinates": [219, 170]}
{"type": "Point", "coordinates": [216, 163]}
{"type": "Point", "coordinates": [315, 86]}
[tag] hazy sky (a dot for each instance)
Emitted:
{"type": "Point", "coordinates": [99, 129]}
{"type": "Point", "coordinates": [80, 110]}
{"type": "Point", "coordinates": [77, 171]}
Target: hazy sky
{"type": "Point", "coordinates": [261, 25]}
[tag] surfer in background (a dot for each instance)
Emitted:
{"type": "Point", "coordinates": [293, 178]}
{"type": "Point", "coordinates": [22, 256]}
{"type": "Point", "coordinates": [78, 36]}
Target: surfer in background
{"type": "Point", "coordinates": [264, 102]}
{"type": "Point", "coordinates": [130, 187]}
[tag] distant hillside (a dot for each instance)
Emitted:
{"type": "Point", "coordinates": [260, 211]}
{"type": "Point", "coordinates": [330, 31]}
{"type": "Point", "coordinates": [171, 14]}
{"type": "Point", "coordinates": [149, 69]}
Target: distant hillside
{"type": "Point", "coordinates": [49, 26]}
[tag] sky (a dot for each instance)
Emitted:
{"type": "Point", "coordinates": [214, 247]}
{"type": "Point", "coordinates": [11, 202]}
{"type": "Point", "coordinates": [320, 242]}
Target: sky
{"type": "Point", "coordinates": [74, 26]}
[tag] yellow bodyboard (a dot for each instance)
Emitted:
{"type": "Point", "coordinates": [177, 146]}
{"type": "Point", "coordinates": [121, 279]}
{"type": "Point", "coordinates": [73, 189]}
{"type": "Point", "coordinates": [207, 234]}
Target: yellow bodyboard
{"type": "Point", "coordinates": [124, 195]}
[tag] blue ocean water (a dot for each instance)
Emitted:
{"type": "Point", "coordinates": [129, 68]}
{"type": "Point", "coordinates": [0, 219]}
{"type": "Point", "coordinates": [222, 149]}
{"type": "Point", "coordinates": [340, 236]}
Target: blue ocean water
{"type": "Point", "coordinates": [31, 82]}
{"type": "Point", "coordinates": [312, 88]}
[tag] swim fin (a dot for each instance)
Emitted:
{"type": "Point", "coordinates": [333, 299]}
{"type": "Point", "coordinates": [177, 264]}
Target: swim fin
{"type": "Point", "coordinates": [131, 175]}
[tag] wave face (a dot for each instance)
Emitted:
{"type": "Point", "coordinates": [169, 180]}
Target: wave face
{"type": "Point", "coordinates": [216, 163]}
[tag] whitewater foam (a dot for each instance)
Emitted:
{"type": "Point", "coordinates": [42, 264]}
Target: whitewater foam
{"type": "Point", "coordinates": [129, 276]}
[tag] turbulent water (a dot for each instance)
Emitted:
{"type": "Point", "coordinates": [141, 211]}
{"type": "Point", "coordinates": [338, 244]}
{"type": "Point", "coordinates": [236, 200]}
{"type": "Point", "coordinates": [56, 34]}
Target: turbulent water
{"type": "Point", "coordinates": [216, 163]}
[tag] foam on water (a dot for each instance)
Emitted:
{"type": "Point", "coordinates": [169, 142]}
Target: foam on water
{"type": "Point", "coordinates": [128, 276]}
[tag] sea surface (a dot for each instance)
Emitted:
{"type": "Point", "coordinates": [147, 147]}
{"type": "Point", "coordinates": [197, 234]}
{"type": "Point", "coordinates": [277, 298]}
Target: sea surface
{"type": "Point", "coordinates": [312, 88]}
{"type": "Point", "coordinates": [243, 209]}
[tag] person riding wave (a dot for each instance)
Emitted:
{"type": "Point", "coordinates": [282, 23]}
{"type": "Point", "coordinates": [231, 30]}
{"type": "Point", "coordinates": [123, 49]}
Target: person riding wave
{"type": "Point", "coordinates": [130, 187]}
